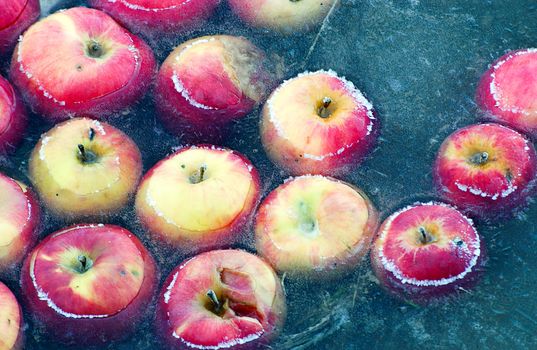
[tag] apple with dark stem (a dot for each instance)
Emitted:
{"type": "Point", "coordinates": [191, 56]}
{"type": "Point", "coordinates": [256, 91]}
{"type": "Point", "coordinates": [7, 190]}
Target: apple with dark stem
{"type": "Point", "coordinates": [85, 168]}
{"type": "Point", "coordinates": [89, 284]}
{"type": "Point", "coordinates": [13, 118]}
{"type": "Point", "coordinates": [15, 17]}
{"type": "Point", "coordinates": [223, 299]}
{"type": "Point", "coordinates": [199, 198]}
{"type": "Point", "coordinates": [487, 170]}
{"type": "Point", "coordinates": [318, 123]}
{"type": "Point", "coordinates": [427, 252]}
{"type": "Point", "coordinates": [315, 226]}
{"type": "Point", "coordinates": [80, 62]}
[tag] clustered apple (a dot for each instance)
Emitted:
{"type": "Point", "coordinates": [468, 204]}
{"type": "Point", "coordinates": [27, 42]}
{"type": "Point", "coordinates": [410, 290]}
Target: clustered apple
{"type": "Point", "coordinates": [15, 17]}
{"type": "Point", "coordinates": [11, 322]}
{"type": "Point", "coordinates": [13, 117]}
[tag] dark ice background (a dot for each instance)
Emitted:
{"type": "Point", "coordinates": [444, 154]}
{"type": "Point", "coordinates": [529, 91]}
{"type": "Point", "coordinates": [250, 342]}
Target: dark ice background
{"type": "Point", "coordinates": [419, 63]}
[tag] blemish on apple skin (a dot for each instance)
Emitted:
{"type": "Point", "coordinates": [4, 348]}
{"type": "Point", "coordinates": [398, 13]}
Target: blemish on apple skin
{"type": "Point", "coordinates": [135, 273]}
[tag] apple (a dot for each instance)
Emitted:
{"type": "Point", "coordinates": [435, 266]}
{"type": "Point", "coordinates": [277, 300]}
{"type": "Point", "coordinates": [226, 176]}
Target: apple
{"type": "Point", "coordinates": [427, 252]}
{"type": "Point", "coordinates": [286, 16]}
{"type": "Point", "coordinates": [199, 198]}
{"type": "Point", "coordinates": [486, 169]}
{"type": "Point", "coordinates": [16, 16]}
{"type": "Point", "coordinates": [19, 222]}
{"type": "Point", "coordinates": [219, 300]}
{"type": "Point", "coordinates": [80, 62]}
{"type": "Point", "coordinates": [318, 123]}
{"type": "Point", "coordinates": [85, 168]}
{"type": "Point", "coordinates": [507, 92]}
{"type": "Point", "coordinates": [207, 82]}
{"type": "Point", "coordinates": [89, 283]}
{"type": "Point", "coordinates": [315, 226]}
{"type": "Point", "coordinates": [11, 321]}
{"type": "Point", "coordinates": [13, 118]}
{"type": "Point", "coordinates": [157, 18]}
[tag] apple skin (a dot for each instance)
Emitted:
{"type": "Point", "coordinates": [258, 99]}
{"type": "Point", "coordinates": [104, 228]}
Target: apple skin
{"type": "Point", "coordinates": [507, 92]}
{"type": "Point", "coordinates": [72, 318]}
{"type": "Point", "coordinates": [301, 142]}
{"type": "Point", "coordinates": [183, 298]}
{"type": "Point", "coordinates": [429, 273]}
{"type": "Point", "coordinates": [11, 321]}
{"type": "Point", "coordinates": [56, 75]}
{"type": "Point", "coordinates": [344, 218]}
{"type": "Point", "coordinates": [223, 224]}
{"type": "Point", "coordinates": [72, 189]}
{"type": "Point", "coordinates": [19, 207]}
{"type": "Point", "coordinates": [283, 16]}
{"type": "Point", "coordinates": [207, 82]}
{"type": "Point", "coordinates": [16, 16]}
{"type": "Point", "coordinates": [13, 117]}
{"type": "Point", "coordinates": [153, 20]}
{"type": "Point", "coordinates": [492, 190]}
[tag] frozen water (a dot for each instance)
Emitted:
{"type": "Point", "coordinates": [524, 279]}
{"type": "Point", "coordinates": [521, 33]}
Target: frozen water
{"type": "Point", "coordinates": [418, 62]}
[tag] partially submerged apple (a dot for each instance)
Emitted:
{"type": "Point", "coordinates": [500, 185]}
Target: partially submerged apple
{"type": "Point", "coordinates": [507, 92]}
{"type": "Point", "coordinates": [80, 62]}
{"type": "Point", "coordinates": [199, 198]}
{"type": "Point", "coordinates": [315, 226]}
{"type": "Point", "coordinates": [11, 321]}
{"type": "Point", "coordinates": [19, 222]}
{"type": "Point", "coordinates": [13, 118]}
{"type": "Point", "coordinates": [15, 17]}
{"type": "Point", "coordinates": [85, 168]}
{"type": "Point", "coordinates": [89, 284]}
{"type": "Point", "coordinates": [426, 252]}
{"type": "Point", "coordinates": [219, 300]}
{"type": "Point", "coordinates": [318, 123]}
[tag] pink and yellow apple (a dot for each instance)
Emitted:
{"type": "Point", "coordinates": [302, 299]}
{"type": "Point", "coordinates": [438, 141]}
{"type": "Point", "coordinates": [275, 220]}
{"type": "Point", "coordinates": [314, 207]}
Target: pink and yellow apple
{"type": "Point", "coordinates": [223, 299]}
{"type": "Point", "coordinates": [207, 82]}
{"type": "Point", "coordinates": [315, 226]}
{"type": "Point", "coordinates": [486, 169]}
{"type": "Point", "coordinates": [427, 252]}
{"type": "Point", "coordinates": [318, 123]}
{"type": "Point", "coordinates": [507, 92]}
{"type": "Point", "coordinates": [11, 321]}
{"type": "Point", "coordinates": [19, 222]}
{"type": "Point", "coordinates": [199, 198]}
{"type": "Point", "coordinates": [286, 16]}
{"type": "Point", "coordinates": [13, 119]}
{"type": "Point", "coordinates": [80, 62]}
{"type": "Point", "coordinates": [15, 17]}
{"type": "Point", "coordinates": [157, 18]}
{"type": "Point", "coordinates": [85, 168]}
{"type": "Point", "coordinates": [89, 284]}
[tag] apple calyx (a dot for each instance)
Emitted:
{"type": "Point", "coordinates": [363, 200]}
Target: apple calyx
{"type": "Point", "coordinates": [323, 110]}
{"type": "Point", "coordinates": [425, 237]}
{"type": "Point", "coordinates": [84, 263]}
{"type": "Point", "coordinates": [86, 156]}
{"type": "Point", "coordinates": [198, 176]}
{"type": "Point", "coordinates": [479, 158]}
{"type": "Point", "coordinates": [94, 49]}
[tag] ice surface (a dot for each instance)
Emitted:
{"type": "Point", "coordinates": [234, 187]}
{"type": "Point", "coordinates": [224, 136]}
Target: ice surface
{"type": "Point", "coordinates": [418, 62]}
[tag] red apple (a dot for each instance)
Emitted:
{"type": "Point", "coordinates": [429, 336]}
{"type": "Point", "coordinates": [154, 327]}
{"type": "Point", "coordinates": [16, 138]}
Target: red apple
{"type": "Point", "coordinates": [316, 226]}
{"type": "Point", "coordinates": [220, 300]}
{"type": "Point", "coordinates": [80, 62]}
{"type": "Point", "coordinates": [207, 82]}
{"type": "Point", "coordinates": [287, 16]}
{"type": "Point", "coordinates": [199, 198]}
{"type": "Point", "coordinates": [427, 252]}
{"type": "Point", "coordinates": [19, 222]}
{"type": "Point", "coordinates": [157, 18]}
{"type": "Point", "coordinates": [89, 284]}
{"type": "Point", "coordinates": [15, 17]}
{"type": "Point", "coordinates": [508, 91]}
{"type": "Point", "coordinates": [85, 168]}
{"type": "Point", "coordinates": [318, 123]}
{"type": "Point", "coordinates": [13, 117]}
{"type": "Point", "coordinates": [11, 321]}
{"type": "Point", "coordinates": [487, 170]}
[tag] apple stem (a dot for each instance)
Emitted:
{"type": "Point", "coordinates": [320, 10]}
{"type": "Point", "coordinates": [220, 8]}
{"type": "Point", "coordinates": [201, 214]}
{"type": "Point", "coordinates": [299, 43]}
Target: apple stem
{"type": "Point", "coordinates": [91, 134]}
{"type": "Point", "coordinates": [199, 175]}
{"type": "Point", "coordinates": [214, 299]}
{"type": "Point", "coordinates": [86, 156]}
{"type": "Point", "coordinates": [323, 110]}
{"type": "Point", "coordinates": [82, 153]}
{"type": "Point", "coordinates": [85, 263]}
{"type": "Point", "coordinates": [426, 237]}
{"type": "Point", "coordinates": [479, 158]}
{"type": "Point", "coordinates": [94, 49]}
